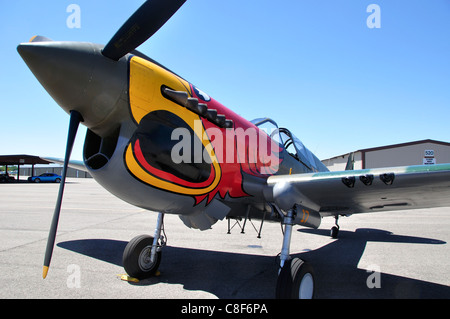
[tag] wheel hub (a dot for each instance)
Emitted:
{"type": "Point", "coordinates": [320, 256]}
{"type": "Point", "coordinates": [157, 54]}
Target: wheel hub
{"type": "Point", "coordinates": [306, 288]}
{"type": "Point", "coordinates": [145, 262]}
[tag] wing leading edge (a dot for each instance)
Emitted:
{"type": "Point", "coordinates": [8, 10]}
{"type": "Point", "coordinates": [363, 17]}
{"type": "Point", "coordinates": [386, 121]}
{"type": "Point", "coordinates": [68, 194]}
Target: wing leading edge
{"type": "Point", "coordinates": [367, 190]}
{"type": "Point", "coordinates": [79, 165]}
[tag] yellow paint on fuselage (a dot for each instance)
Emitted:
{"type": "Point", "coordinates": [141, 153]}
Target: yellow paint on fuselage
{"type": "Point", "coordinates": [146, 80]}
{"type": "Point", "coordinates": [145, 96]}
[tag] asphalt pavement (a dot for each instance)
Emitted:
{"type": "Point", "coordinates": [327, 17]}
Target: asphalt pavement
{"type": "Point", "coordinates": [403, 254]}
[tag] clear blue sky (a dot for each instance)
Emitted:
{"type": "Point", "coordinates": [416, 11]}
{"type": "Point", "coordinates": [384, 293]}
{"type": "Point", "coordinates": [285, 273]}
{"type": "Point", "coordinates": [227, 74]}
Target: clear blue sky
{"type": "Point", "coordinates": [314, 66]}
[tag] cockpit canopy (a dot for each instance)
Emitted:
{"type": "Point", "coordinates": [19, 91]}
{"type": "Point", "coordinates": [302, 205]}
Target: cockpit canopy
{"type": "Point", "coordinates": [290, 143]}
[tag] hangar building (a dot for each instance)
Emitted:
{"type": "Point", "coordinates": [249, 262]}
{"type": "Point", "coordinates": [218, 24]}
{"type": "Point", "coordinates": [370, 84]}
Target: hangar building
{"type": "Point", "coordinates": [413, 153]}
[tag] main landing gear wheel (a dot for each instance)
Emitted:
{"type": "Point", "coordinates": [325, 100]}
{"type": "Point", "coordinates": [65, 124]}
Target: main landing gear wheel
{"type": "Point", "coordinates": [137, 258]}
{"type": "Point", "coordinates": [296, 280]}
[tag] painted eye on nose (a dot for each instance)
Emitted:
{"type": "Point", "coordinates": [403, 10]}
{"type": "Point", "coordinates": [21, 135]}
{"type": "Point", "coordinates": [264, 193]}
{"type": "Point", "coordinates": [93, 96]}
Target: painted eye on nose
{"type": "Point", "coordinates": [153, 146]}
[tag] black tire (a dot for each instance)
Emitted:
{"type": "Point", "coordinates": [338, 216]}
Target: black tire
{"type": "Point", "coordinates": [37, 180]}
{"type": "Point", "coordinates": [136, 258]}
{"type": "Point", "coordinates": [58, 180]}
{"type": "Point", "coordinates": [296, 280]}
{"type": "Point", "coordinates": [334, 232]}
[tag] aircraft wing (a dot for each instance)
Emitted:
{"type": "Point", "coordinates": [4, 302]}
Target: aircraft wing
{"type": "Point", "coordinates": [79, 165]}
{"type": "Point", "coordinates": [363, 191]}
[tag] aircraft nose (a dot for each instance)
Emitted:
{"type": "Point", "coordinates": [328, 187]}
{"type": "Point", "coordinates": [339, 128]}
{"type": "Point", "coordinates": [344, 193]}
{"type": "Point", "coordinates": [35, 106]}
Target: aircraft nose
{"type": "Point", "coordinates": [61, 69]}
{"type": "Point", "coordinates": [77, 76]}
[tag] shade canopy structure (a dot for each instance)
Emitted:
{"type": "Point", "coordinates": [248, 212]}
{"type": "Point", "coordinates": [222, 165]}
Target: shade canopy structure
{"type": "Point", "coordinates": [6, 160]}
{"type": "Point", "coordinates": [22, 160]}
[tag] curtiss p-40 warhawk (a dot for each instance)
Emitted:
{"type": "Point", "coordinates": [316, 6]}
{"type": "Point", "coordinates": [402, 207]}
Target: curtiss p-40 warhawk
{"type": "Point", "coordinates": [158, 142]}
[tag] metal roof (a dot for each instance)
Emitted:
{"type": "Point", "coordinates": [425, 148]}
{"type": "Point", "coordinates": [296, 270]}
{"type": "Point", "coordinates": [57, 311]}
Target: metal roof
{"type": "Point", "coordinates": [22, 160]}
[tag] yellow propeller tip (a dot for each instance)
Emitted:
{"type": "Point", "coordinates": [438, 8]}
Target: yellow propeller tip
{"type": "Point", "coordinates": [44, 271]}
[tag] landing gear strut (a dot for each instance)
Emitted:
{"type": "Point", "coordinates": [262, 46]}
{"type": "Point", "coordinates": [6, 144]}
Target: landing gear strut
{"type": "Point", "coordinates": [295, 277]}
{"type": "Point", "coordinates": [142, 255]}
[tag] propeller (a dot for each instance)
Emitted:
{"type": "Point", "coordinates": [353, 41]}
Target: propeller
{"type": "Point", "coordinates": [148, 19]}
{"type": "Point", "coordinates": [145, 22]}
{"type": "Point", "coordinates": [75, 119]}
{"type": "Point", "coordinates": [40, 38]}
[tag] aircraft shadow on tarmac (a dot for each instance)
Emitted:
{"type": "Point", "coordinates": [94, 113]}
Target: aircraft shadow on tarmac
{"type": "Point", "coordinates": [243, 276]}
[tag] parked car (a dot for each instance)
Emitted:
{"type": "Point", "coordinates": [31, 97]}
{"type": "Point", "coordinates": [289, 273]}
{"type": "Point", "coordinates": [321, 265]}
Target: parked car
{"type": "Point", "coordinates": [46, 177]}
{"type": "Point", "coordinates": [4, 178]}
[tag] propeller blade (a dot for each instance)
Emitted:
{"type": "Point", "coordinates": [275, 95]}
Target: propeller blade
{"type": "Point", "coordinates": [40, 38]}
{"type": "Point", "coordinates": [75, 119]}
{"type": "Point", "coordinates": [148, 19]}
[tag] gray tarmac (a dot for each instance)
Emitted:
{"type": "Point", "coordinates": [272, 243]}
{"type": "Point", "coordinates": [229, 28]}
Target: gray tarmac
{"type": "Point", "coordinates": [403, 254]}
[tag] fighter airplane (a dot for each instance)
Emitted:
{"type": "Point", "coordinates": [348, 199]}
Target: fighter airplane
{"type": "Point", "coordinates": [158, 142]}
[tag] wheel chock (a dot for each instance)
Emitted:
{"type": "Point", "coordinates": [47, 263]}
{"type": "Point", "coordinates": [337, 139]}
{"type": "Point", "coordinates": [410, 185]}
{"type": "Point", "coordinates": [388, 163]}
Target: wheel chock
{"type": "Point", "coordinates": [128, 278]}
